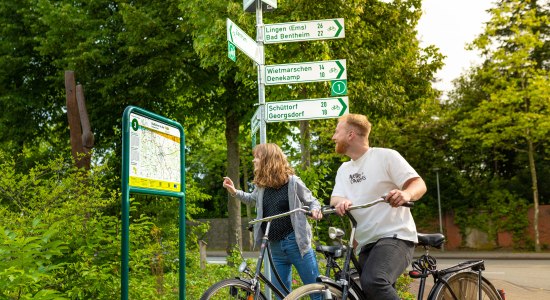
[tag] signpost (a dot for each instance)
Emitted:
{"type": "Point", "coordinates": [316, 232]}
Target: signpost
{"type": "Point", "coordinates": [305, 72]}
{"type": "Point", "coordinates": [332, 70]}
{"type": "Point", "coordinates": [304, 31]}
{"type": "Point", "coordinates": [241, 40]}
{"type": "Point", "coordinates": [309, 109]}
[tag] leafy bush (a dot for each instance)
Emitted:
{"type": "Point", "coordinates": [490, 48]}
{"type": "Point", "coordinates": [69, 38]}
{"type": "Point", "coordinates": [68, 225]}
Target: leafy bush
{"type": "Point", "coordinates": [26, 261]}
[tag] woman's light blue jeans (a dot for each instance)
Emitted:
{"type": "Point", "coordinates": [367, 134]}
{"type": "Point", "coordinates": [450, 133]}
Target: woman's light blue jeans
{"type": "Point", "coordinates": [286, 253]}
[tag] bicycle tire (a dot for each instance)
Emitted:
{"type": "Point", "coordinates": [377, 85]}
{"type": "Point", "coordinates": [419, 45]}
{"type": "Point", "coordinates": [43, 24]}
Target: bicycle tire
{"type": "Point", "coordinates": [304, 292]}
{"type": "Point", "coordinates": [464, 285]}
{"type": "Point", "coordinates": [230, 289]}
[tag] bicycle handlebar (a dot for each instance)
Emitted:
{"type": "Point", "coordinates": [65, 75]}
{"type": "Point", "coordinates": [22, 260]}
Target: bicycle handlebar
{"type": "Point", "coordinates": [331, 210]}
{"type": "Point", "coordinates": [324, 211]}
{"type": "Point", "coordinates": [304, 209]}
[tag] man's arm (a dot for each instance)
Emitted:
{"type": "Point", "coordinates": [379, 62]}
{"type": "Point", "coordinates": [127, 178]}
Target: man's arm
{"type": "Point", "coordinates": [413, 190]}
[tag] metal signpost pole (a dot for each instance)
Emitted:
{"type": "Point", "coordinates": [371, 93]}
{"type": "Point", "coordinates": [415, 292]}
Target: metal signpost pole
{"type": "Point", "coordinates": [261, 63]}
{"type": "Point", "coordinates": [261, 102]}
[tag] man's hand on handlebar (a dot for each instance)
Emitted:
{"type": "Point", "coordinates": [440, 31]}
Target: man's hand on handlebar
{"type": "Point", "coordinates": [342, 206]}
{"type": "Point", "coordinates": [397, 197]}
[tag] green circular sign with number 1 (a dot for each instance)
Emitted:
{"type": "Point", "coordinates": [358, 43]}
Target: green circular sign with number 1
{"type": "Point", "coordinates": [339, 87]}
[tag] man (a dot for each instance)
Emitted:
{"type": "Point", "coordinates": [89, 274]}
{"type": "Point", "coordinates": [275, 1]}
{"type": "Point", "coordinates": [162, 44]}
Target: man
{"type": "Point", "coordinates": [386, 234]}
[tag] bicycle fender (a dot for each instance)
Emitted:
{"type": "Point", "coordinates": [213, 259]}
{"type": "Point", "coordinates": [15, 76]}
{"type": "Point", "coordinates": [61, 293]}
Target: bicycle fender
{"type": "Point", "coordinates": [352, 294]}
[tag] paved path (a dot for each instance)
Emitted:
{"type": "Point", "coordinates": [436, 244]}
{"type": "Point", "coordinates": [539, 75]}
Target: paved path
{"type": "Point", "coordinates": [514, 291]}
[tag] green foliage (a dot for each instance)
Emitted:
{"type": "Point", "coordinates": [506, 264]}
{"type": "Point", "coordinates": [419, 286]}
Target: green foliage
{"type": "Point", "coordinates": [27, 259]}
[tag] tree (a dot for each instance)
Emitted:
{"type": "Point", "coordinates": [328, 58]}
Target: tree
{"type": "Point", "coordinates": [515, 76]}
{"type": "Point", "coordinates": [123, 53]}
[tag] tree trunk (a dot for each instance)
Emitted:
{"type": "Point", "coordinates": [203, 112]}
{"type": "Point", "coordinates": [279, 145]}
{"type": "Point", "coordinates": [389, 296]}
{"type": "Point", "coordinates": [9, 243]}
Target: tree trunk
{"type": "Point", "coordinates": [233, 204]}
{"type": "Point", "coordinates": [305, 142]}
{"type": "Point", "coordinates": [535, 189]}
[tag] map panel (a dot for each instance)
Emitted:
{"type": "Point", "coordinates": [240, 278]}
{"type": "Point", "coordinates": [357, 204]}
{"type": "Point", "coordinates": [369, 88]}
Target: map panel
{"type": "Point", "coordinates": [155, 155]}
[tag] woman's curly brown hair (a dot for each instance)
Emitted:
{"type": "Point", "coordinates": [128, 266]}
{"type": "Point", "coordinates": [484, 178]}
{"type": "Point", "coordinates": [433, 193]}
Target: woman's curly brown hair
{"type": "Point", "coordinates": [273, 168]}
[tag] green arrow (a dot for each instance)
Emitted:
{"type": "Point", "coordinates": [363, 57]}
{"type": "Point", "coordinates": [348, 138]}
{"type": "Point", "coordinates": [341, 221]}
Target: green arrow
{"type": "Point", "coordinates": [342, 69]}
{"type": "Point", "coordinates": [339, 28]}
{"type": "Point", "coordinates": [343, 105]}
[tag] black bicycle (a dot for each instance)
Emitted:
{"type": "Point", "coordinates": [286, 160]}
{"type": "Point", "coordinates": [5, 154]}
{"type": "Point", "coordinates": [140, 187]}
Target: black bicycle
{"type": "Point", "coordinates": [460, 282]}
{"type": "Point", "coordinates": [251, 288]}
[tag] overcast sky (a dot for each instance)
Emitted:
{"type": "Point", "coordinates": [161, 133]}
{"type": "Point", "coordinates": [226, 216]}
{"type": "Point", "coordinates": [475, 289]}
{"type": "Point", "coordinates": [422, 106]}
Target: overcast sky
{"type": "Point", "coordinates": [450, 25]}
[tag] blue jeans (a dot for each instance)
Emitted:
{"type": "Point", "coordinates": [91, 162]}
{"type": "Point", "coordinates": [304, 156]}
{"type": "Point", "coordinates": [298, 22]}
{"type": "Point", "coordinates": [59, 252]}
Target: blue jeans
{"type": "Point", "coordinates": [286, 253]}
{"type": "Point", "coordinates": [382, 263]}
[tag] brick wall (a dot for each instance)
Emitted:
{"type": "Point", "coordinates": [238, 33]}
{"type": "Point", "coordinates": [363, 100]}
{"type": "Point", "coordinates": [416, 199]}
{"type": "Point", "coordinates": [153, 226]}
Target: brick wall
{"type": "Point", "coordinates": [504, 239]}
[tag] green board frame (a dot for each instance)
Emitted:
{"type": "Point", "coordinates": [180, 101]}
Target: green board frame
{"type": "Point", "coordinates": [127, 189]}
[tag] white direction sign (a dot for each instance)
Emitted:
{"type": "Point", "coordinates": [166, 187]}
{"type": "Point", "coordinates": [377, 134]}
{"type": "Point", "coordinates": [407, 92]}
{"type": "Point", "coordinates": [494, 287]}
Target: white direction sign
{"type": "Point", "coordinates": [255, 121]}
{"type": "Point", "coordinates": [241, 40]}
{"type": "Point", "coordinates": [305, 72]}
{"type": "Point", "coordinates": [309, 109]}
{"type": "Point", "coordinates": [304, 31]}
{"type": "Point", "coordinates": [267, 5]}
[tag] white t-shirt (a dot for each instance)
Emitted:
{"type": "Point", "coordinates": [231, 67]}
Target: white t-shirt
{"type": "Point", "coordinates": [366, 179]}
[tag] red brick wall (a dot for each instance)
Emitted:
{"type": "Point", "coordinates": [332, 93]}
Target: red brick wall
{"type": "Point", "coordinates": [504, 239]}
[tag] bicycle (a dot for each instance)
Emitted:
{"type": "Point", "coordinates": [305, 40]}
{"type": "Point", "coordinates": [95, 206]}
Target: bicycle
{"type": "Point", "coordinates": [250, 288]}
{"type": "Point", "coordinates": [461, 281]}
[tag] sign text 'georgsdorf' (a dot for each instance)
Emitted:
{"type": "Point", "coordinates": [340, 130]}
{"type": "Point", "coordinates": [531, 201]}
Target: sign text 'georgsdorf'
{"type": "Point", "coordinates": [309, 109]}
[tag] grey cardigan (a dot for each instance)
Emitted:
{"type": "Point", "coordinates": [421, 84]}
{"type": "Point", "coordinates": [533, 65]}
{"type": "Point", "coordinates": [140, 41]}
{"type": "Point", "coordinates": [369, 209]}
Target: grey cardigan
{"type": "Point", "coordinates": [298, 195]}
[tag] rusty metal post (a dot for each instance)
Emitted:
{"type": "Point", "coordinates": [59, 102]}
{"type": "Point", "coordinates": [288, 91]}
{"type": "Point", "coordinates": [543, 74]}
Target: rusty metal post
{"type": "Point", "coordinates": [87, 134]}
{"type": "Point", "coordinates": [73, 117]}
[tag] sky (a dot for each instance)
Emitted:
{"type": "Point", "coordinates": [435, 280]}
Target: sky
{"type": "Point", "coordinates": [450, 25]}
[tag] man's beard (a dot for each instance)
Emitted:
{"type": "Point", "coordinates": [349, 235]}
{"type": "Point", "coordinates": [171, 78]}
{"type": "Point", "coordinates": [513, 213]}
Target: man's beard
{"type": "Point", "coordinates": [341, 147]}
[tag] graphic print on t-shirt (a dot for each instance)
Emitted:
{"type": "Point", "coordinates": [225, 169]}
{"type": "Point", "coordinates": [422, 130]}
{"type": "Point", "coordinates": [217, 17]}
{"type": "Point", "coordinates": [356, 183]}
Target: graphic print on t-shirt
{"type": "Point", "coordinates": [357, 178]}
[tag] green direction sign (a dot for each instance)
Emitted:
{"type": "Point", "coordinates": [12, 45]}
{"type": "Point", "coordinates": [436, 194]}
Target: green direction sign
{"type": "Point", "coordinates": [305, 72]}
{"type": "Point", "coordinates": [309, 109]}
{"type": "Point", "coordinates": [304, 31]}
{"type": "Point", "coordinates": [339, 87]}
{"type": "Point", "coordinates": [231, 51]}
{"type": "Point", "coordinates": [239, 38]}
{"type": "Point", "coordinates": [267, 5]}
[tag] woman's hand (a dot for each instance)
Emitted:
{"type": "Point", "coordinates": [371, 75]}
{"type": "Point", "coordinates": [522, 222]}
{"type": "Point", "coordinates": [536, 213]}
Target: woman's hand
{"type": "Point", "coordinates": [229, 186]}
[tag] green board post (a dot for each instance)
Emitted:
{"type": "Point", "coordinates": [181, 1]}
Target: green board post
{"type": "Point", "coordinates": [146, 135]}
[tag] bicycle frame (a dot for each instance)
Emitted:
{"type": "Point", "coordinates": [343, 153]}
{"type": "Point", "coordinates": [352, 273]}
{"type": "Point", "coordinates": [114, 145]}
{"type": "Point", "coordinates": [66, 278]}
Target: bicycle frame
{"type": "Point", "coordinates": [346, 282]}
{"type": "Point", "coordinates": [264, 246]}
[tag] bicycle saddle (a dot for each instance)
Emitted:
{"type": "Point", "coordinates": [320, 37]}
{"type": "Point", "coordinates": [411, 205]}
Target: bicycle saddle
{"type": "Point", "coordinates": [431, 239]}
{"type": "Point", "coordinates": [334, 251]}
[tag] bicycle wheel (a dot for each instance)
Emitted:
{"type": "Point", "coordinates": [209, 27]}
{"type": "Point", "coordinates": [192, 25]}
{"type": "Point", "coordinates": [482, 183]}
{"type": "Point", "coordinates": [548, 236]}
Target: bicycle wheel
{"type": "Point", "coordinates": [230, 289]}
{"type": "Point", "coordinates": [464, 286]}
{"type": "Point", "coordinates": [321, 290]}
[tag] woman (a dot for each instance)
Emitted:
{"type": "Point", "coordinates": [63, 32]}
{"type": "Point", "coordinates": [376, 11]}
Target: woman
{"type": "Point", "coordinates": [277, 191]}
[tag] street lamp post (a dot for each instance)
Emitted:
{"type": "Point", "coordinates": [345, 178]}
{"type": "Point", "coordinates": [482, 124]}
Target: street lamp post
{"type": "Point", "coordinates": [439, 204]}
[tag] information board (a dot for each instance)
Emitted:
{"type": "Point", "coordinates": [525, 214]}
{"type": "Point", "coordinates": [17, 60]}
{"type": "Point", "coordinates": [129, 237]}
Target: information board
{"type": "Point", "coordinates": [155, 156]}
